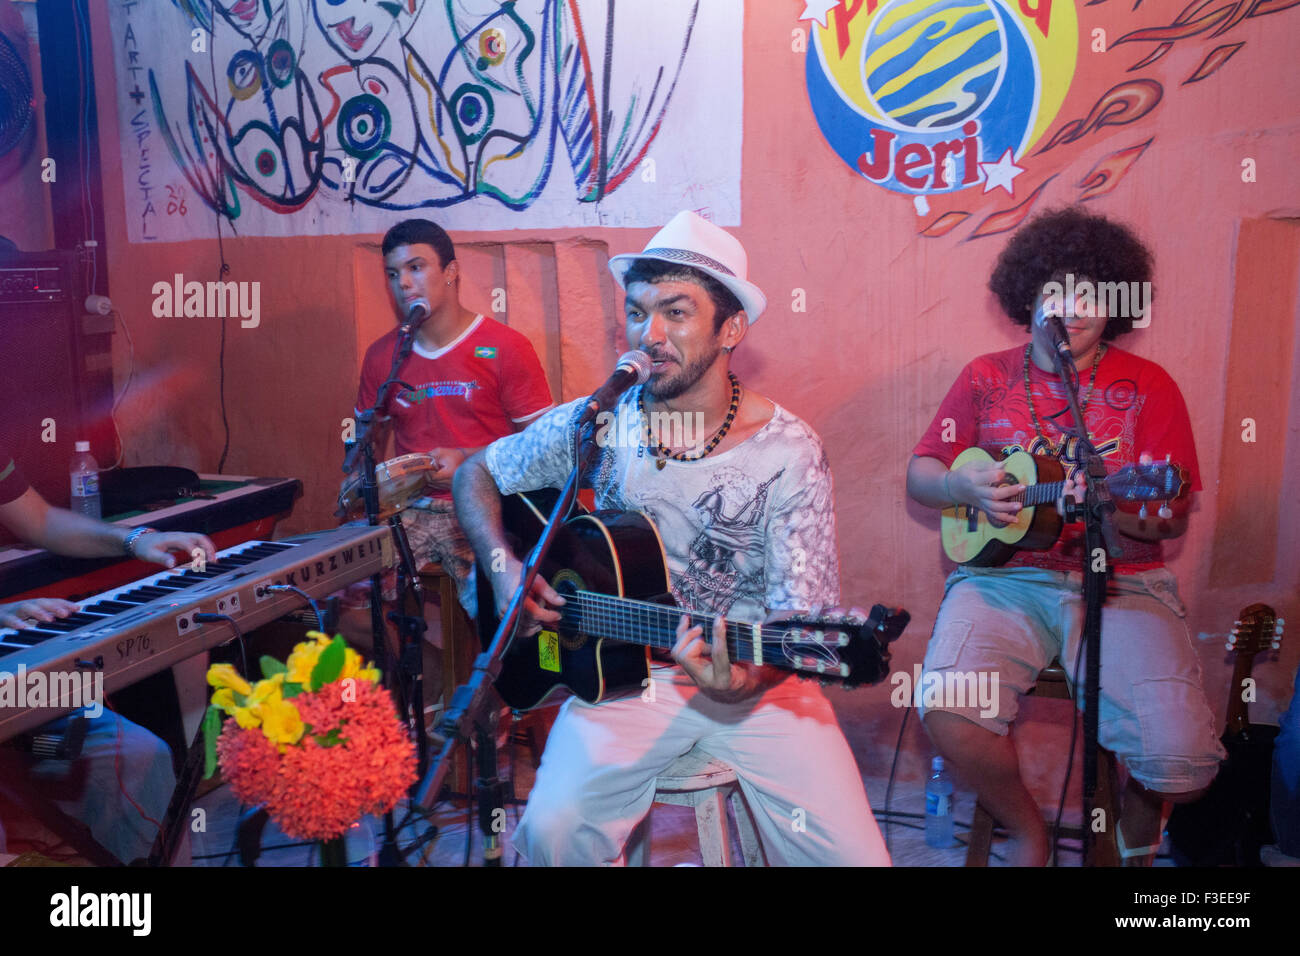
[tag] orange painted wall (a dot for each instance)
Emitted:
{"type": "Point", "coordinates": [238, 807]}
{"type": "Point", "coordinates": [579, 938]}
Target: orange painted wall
{"type": "Point", "coordinates": [891, 316]}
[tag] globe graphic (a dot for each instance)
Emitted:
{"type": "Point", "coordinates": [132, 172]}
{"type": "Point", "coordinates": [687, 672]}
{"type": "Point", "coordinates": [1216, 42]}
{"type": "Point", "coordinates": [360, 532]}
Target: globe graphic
{"type": "Point", "coordinates": [932, 64]}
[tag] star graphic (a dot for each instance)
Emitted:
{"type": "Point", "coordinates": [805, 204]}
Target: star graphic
{"type": "Point", "coordinates": [1002, 173]}
{"type": "Point", "coordinates": [818, 10]}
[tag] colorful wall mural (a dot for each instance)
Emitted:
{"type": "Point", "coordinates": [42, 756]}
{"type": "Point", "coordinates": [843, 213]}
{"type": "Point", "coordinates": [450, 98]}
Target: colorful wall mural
{"type": "Point", "coordinates": [315, 117]}
{"type": "Point", "coordinates": [957, 104]}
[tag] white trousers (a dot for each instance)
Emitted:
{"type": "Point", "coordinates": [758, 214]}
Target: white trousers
{"type": "Point", "coordinates": [597, 777]}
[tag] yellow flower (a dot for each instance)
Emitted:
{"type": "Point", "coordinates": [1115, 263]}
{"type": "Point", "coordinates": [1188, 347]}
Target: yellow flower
{"type": "Point", "coordinates": [369, 673]}
{"type": "Point", "coordinates": [225, 675]}
{"type": "Point", "coordinates": [281, 722]}
{"type": "Point", "coordinates": [302, 662]}
{"type": "Point", "coordinates": [246, 718]}
{"type": "Point", "coordinates": [351, 663]}
{"type": "Point", "coordinates": [264, 690]}
{"type": "Point", "coordinates": [224, 699]}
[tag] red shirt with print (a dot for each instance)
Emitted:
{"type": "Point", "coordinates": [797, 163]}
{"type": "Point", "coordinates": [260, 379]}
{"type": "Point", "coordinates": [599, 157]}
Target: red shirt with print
{"type": "Point", "coordinates": [1135, 408]}
{"type": "Point", "coordinates": [466, 394]}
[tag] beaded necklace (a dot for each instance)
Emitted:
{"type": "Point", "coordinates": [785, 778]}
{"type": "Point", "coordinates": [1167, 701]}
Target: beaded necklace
{"type": "Point", "coordinates": [662, 454]}
{"type": "Point", "coordinates": [1096, 360]}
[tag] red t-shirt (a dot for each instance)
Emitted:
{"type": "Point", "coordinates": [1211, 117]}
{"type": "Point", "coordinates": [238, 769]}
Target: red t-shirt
{"type": "Point", "coordinates": [466, 394]}
{"type": "Point", "coordinates": [1135, 409]}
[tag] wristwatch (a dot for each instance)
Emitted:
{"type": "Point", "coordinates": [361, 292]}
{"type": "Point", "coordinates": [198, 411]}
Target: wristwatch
{"type": "Point", "coordinates": [128, 543]}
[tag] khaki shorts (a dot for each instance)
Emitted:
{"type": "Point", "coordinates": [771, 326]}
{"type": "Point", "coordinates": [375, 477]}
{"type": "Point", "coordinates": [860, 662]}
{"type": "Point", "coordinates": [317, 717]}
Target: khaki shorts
{"type": "Point", "coordinates": [1007, 624]}
{"type": "Point", "coordinates": [434, 536]}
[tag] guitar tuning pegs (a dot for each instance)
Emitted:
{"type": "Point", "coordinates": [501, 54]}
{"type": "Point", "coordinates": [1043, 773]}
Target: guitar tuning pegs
{"type": "Point", "coordinates": [1278, 626]}
{"type": "Point", "coordinates": [1165, 511]}
{"type": "Point", "coordinates": [1277, 645]}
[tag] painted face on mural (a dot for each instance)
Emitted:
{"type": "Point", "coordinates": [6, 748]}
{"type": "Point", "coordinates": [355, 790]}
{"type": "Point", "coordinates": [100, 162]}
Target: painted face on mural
{"type": "Point", "coordinates": [1084, 319]}
{"type": "Point", "coordinates": [358, 28]}
{"type": "Point", "coordinates": [672, 322]}
{"type": "Point", "coordinates": [415, 272]}
{"type": "Point", "coordinates": [251, 18]}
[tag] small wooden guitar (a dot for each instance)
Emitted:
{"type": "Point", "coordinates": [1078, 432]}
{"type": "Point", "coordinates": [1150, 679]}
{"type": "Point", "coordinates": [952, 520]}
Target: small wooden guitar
{"type": "Point", "coordinates": [611, 569]}
{"type": "Point", "coordinates": [969, 537]}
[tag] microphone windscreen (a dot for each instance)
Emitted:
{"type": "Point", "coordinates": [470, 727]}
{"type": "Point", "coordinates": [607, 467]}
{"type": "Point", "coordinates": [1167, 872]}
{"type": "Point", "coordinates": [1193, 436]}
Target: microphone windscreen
{"type": "Point", "coordinates": [639, 362]}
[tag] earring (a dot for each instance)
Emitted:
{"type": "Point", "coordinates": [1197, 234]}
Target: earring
{"type": "Point", "coordinates": [728, 348]}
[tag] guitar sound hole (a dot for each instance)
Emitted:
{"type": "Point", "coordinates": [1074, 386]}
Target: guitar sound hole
{"type": "Point", "coordinates": [570, 634]}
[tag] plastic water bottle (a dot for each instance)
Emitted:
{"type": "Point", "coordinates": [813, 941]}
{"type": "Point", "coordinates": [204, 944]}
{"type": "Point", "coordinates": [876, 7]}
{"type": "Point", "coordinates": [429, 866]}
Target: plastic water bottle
{"type": "Point", "coordinates": [85, 482]}
{"type": "Point", "coordinates": [938, 806]}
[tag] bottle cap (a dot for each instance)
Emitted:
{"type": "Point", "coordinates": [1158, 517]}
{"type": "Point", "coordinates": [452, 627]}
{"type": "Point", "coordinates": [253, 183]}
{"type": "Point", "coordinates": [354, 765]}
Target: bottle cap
{"type": "Point", "coordinates": [936, 765]}
{"type": "Point", "coordinates": [83, 446]}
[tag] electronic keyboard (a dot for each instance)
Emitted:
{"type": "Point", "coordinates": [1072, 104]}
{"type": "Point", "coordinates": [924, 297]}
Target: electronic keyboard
{"type": "Point", "coordinates": [143, 627]}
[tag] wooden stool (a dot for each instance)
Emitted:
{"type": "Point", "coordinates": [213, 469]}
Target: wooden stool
{"type": "Point", "coordinates": [1051, 684]}
{"type": "Point", "coordinates": [697, 780]}
{"type": "Point", "coordinates": [459, 648]}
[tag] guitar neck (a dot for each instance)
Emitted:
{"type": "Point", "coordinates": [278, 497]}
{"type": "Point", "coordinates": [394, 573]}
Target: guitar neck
{"type": "Point", "coordinates": [655, 625]}
{"type": "Point", "coordinates": [1044, 494]}
{"type": "Point", "coordinates": [1238, 710]}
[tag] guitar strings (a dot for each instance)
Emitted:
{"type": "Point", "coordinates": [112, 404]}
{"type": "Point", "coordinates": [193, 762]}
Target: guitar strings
{"type": "Point", "coordinates": [644, 622]}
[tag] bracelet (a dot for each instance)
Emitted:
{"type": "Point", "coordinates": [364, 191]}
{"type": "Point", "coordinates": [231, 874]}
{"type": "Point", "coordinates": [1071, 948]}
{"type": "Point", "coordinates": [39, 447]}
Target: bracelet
{"type": "Point", "coordinates": [128, 543]}
{"type": "Point", "coordinates": [946, 489]}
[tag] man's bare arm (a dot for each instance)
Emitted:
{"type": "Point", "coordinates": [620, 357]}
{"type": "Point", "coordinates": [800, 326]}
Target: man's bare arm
{"type": "Point", "coordinates": [478, 509]}
{"type": "Point", "coordinates": [37, 522]}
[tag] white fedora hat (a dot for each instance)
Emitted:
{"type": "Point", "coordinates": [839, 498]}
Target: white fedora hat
{"type": "Point", "coordinates": [690, 240]}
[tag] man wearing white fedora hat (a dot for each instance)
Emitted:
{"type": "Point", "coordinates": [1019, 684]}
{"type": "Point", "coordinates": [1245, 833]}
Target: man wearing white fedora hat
{"type": "Point", "coordinates": [745, 511]}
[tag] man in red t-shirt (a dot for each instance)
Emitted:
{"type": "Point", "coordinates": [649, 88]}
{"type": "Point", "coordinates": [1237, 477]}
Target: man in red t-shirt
{"type": "Point", "coordinates": [1009, 622]}
{"type": "Point", "coordinates": [473, 380]}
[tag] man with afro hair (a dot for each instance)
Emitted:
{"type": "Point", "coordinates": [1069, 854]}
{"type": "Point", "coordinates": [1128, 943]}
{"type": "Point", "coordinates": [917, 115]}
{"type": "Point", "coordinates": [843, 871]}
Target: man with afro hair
{"type": "Point", "coordinates": [1011, 621]}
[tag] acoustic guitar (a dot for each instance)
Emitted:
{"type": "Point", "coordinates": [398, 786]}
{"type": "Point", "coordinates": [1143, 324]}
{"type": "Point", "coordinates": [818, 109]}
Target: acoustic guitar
{"type": "Point", "coordinates": [1229, 824]}
{"type": "Point", "coordinates": [611, 569]}
{"type": "Point", "coordinates": [969, 537]}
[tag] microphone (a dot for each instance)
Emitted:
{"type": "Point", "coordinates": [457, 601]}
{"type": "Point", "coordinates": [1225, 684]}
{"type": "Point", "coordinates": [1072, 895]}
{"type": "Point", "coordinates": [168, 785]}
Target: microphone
{"type": "Point", "coordinates": [417, 313]}
{"type": "Point", "coordinates": [415, 316]}
{"type": "Point", "coordinates": [633, 369]}
{"type": "Point", "coordinates": [1051, 324]}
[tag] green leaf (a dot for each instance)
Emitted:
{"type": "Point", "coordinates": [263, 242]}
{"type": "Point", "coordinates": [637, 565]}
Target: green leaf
{"type": "Point", "coordinates": [271, 667]}
{"type": "Point", "coordinates": [331, 739]}
{"type": "Point", "coordinates": [290, 689]}
{"type": "Point", "coordinates": [329, 665]}
{"type": "Point", "coordinates": [211, 730]}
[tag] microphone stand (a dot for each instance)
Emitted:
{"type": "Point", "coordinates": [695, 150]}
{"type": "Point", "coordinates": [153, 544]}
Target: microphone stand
{"type": "Point", "coordinates": [472, 707]}
{"type": "Point", "coordinates": [407, 678]}
{"type": "Point", "coordinates": [1099, 528]}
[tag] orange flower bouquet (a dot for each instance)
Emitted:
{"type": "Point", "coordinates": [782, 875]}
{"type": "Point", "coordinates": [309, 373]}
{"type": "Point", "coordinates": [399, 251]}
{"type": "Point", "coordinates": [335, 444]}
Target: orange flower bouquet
{"type": "Point", "coordinates": [316, 741]}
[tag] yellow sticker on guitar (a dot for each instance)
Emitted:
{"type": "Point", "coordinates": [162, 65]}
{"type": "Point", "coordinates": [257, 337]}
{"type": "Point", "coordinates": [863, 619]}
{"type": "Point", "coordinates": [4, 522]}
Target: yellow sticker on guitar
{"type": "Point", "coordinates": [548, 651]}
